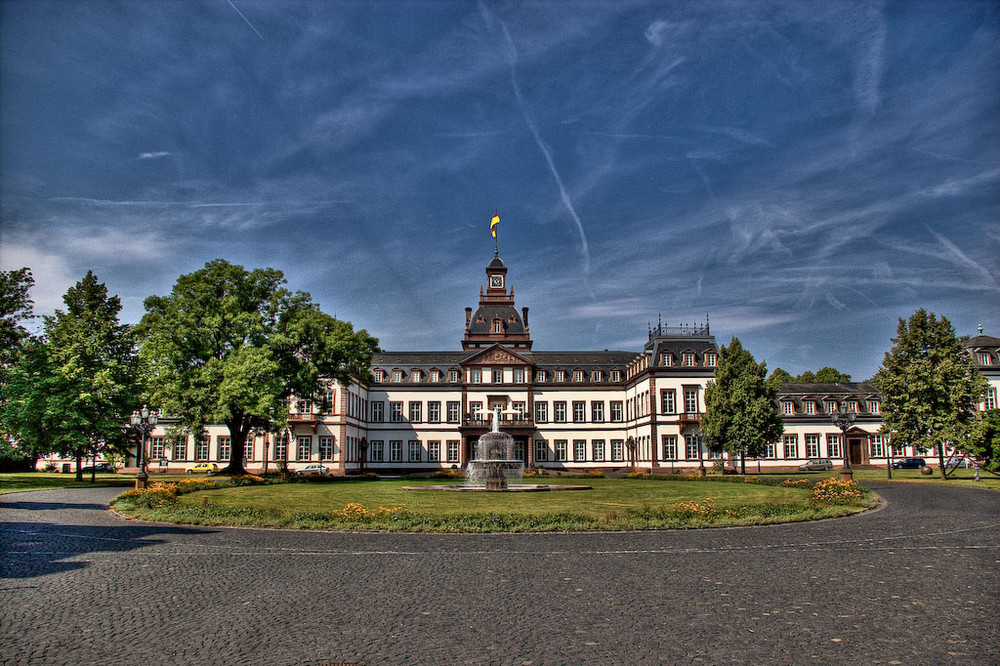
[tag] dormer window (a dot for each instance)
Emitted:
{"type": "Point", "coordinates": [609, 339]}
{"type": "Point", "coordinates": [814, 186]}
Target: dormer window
{"type": "Point", "coordinates": [787, 407]}
{"type": "Point", "coordinates": [874, 407]}
{"type": "Point", "coordinates": [435, 376]}
{"type": "Point", "coordinates": [540, 376]}
{"type": "Point", "coordinates": [597, 376]}
{"type": "Point", "coordinates": [397, 376]}
{"type": "Point", "coordinates": [852, 406]}
{"type": "Point", "coordinates": [379, 375]}
{"type": "Point", "coordinates": [689, 358]}
{"type": "Point", "coordinates": [560, 375]}
{"type": "Point", "coordinates": [616, 376]}
{"type": "Point", "coordinates": [984, 358]}
{"type": "Point", "coordinates": [578, 376]}
{"type": "Point", "coordinates": [810, 407]}
{"type": "Point", "coordinates": [453, 376]}
{"type": "Point", "coordinates": [497, 376]}
{"type": "Point", "coordinates": [710, 359]}
{"type": "Point", "coordinates": [830, 406]}
{"type": "Point", "coordinates": [416, 375]}
{"type": "Point", "coordinates": [476, 376]}
{"type": "Point", "coordinates": [666, 359]}
{"type": "Point", "coordinates": [498, 325]}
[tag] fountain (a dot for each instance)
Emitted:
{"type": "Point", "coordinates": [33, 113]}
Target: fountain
{"type": "Point", "coordinates": [494, 467]}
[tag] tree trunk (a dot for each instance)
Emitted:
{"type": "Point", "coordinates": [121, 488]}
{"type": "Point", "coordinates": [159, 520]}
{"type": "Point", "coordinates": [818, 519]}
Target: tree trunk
{"type": "Point", "coordinates": [238, 430]}
{"type": "Point", "coordinates": [79, 465]}
{"type": "Point", "coordinates": [743, 462]}
{"type": "Point", "coordinates": [944, 470]}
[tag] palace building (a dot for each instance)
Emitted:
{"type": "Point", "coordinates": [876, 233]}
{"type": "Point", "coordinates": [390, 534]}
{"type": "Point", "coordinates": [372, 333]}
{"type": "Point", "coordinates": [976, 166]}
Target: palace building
{"type": "Point", "coordinates": [566, 410]}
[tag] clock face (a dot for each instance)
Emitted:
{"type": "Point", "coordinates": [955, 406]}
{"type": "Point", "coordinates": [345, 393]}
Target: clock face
{"type": "Point", "coordinates": [496, 281]}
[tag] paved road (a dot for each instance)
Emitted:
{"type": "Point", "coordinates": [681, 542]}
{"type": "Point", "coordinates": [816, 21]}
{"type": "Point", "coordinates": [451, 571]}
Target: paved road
{"type": "Point", "coordinates": [916, 582]}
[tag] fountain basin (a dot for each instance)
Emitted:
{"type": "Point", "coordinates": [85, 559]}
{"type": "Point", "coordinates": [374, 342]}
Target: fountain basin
{"type": "Point", "coordinates": [509, 488]}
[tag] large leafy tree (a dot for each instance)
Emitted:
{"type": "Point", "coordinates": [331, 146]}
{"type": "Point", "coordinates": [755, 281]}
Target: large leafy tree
{"type": "Point", "coordinates": [232, 346]}
{"type": "Point", "coordinates": [986, 447]}
{"type": "Point", "coordinates": [72, 391]}
{"type": "Point", "coordinates": [15, 310]}
{"type": "Point", "coordinates": [929, 386]}
{"type": "Point", "coordinates": [741, 414]}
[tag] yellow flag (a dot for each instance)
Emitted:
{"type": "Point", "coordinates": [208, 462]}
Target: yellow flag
{"type": "Point", "coordinates": [493, 223]}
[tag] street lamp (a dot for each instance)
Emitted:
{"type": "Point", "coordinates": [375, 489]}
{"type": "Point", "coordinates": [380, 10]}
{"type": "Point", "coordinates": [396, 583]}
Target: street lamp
{"type": "Point", "coordinates": [144, 421]}
{"type": "Point", "coordinates": [630, 445]}
{"type": "Point", "coordinates": [844, 419]}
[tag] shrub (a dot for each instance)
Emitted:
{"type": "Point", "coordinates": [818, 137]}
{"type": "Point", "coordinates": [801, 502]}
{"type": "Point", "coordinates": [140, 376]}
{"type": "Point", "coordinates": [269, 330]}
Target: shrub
{"type": "Point", "coordinates": [835, 491]}
{"type": "Point", "coordinates": [157, 496]}
{"type": "Point", "coordinates": [595, 474]}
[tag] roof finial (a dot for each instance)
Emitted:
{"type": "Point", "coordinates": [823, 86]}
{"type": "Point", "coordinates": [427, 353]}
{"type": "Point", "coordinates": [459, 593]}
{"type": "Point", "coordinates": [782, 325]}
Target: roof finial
{"type": "Point", "coordinates": [980, 329]}
{"type": "Point", "coordinates": [707, 329]}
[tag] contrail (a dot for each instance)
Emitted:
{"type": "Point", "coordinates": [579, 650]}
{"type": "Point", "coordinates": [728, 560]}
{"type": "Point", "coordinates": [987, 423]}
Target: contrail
{"type": "Point", "coordinates": [529, 120]}
{"type": "Point", "coordinates": [245, 19]}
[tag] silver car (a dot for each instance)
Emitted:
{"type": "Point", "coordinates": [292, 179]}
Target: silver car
{"type": "Point", "coordinates": [817, 464]}
{"type": "Point", "coordinates": [315, 469]}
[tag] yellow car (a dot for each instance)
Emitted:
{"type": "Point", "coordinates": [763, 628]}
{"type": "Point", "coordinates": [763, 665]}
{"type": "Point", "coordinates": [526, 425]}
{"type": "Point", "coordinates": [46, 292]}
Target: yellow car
{"type": "Point", "coordinates": [203, 468]}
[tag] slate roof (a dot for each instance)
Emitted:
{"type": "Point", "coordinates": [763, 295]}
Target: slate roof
{"type": "Point", "coordinates": [487, 312]}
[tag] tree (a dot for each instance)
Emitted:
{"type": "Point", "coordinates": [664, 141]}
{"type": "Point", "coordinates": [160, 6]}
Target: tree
{"type": "Point", "coordinates": [72, 390]}
{"type": "Point", "coordinates": [986, 447]}
{"type": "Point", "coordinates": [929, 386]}
{"type": "Point", "coordinates": [741, 413]}
{"type": "Point", "coordinates": [828, 375]}
{"type": "Point", "coordinates": [232, 346]}
{"type": "Point", "coordinates": [15, 309]}
{"type": "Point", "coordinates": [779, 377]}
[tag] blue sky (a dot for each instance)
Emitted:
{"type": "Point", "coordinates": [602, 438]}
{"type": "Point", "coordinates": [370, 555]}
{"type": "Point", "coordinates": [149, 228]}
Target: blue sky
{"type": "Point", "coordinates": [804, 173]}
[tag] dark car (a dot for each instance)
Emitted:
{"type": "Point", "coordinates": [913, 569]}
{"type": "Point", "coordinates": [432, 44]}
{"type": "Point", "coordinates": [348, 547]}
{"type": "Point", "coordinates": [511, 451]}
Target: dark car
{"type": "Point", "coordinates": [100, 468]}
{"type": "Point", "coordinates": [909, 463]}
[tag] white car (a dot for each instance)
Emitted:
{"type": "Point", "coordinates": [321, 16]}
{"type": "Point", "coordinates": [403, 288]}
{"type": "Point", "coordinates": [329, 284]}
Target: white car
{"type": "Point", "coordinates": [315, 469]}
{"type": "Point", "coordinates": [812, 465]}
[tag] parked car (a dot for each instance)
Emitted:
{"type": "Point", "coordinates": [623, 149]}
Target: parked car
{"type": "Point", "coordinates": [203, 468]}
{"type": "Point", "coordinates": [909, 463]}
{"type": "Point", "coordinates": [100, 468]}
{"type": "Point", "coordinates": [314, 469]}
{"type": "Point", "coordinates": [961, 463]}
{"type": "Point", "coordinates": [816, 464]}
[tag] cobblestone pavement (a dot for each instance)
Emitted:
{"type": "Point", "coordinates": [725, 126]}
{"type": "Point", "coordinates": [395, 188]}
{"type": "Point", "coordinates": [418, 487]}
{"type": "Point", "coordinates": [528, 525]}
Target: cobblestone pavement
{"type": "Point", "coordinates": [916, 582]}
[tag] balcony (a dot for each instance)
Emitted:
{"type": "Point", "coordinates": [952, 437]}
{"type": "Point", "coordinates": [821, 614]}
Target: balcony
{"type": "Point", "coordinates": [685, 418]}
{"type": "Point", "coordinates": [487, 423]}
{"type": "Point", "coordinates": [311, 420]}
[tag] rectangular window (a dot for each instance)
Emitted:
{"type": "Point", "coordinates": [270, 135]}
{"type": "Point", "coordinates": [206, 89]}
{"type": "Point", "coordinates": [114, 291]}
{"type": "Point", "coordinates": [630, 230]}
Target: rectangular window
{"type": "Point", "coordinates": [248, 448]}
{"type": "Point", "coordinates": [578, 376]}
{"type": "Point", "coordinates": [435, 376]}
{"type": "Point", "coordinates": [984, 358]}
{"type": "Point", "coordinates": [413, 451]}
{"type": "Point", "coordinates": [395, 450]}
{"type": "Point", "coordinates": [376, 450]}
{"type": "Point", "coordinates": [830, 406]}
{"type": "Point", "coordinates": [990, 401]}
{"type": "Point", "coordinates": [579, 450]}
{"type": "Point", "coordinates": [497, 376]}
{"type": "Point", "coordinates": [540, 376]}
{"type": "Point", "coordinates": [476, 409]}
{"type": "Point", "coordinates": [597, 450]}
{"type": "Point", "coordinates": [452, 450]}
{"type": "Point", "coordinates": [616, 376]}
{"type": "Point", "coordinates": [304, 449]}
{"type": "Point", "coordinates": [541, 450]}
{"type": "Point", "coordinates": [833, 446]}
{"type": "Point", "coordinates": [395, 412]}
{"type": "Point", "coordinates": [180, 449]}
{"type": "Point", "coordinates": [397, 376]}
{"type": "Point", "coordinates": [541, 412]}
{"type": "Point", "coordinates": [791, 446]}
{"type": "Point", "coordinates": [329, 405]}
{"type": "Point", "coordinates": [434, 450]}
{"type": "Point", "coordinates": [559, 409]}
{"type": "Point", "coordinates": [378, 409]}
{"type": "Point", "coordinates": [518, 375]}
{"type": "Point", "coordinates": [326, 448]}
{"type": "Point", "coordinates": [303, 407]}
{"type": "Point", "coordinates": [669, 447]}
{"type": "Point", "coordinates": [617, 449]}
{"type": "Point", "coordinates": [666, 359]}
{"type": "Point", "coordinates": [281, 447]}
{"type": "Point", "coordinates": [520, 408]}
{"type": "Point", "coordinates": [597, 411]}
{"type": "Point", "coordinates": [476, 376]}
{"type": "Point", "coordinates": [769, 451]}
{"type": "Point", "coordinates": [852, 406]}
{"type": "Point", "coordinates": [415, 412]}
{"type": "Point", "coordinates": [597, 376]}
{"type": "Point", "coordinates": [710, 359]}
{"type": "Point", "coordinates": [518, 450]}
{"type": "Point", "coordinates": [692, 447]}
{"type": "Point", "coordinates": [688, 358]}
{"type": "Point", "coordinates": [560, 450]}
{"type": "Point", "coordinates": [434, 412]}
{"type": "Point", "coordinates": [155, 448]}
{"type": "Point", "coordinates": [810, 407]}
{"type": "Point", "coordinates": [787, 407]}
{"type": "Point", "coordinates": [579, 411]}
{"type": "Point", "coordinates": [560, 375]}
{"type": "Point", "coordinates": [877, 447]}
{"type": "Point", "coordinates": [812, 446]}
{"type": "Point", "coordinates": [416, 375]}
{"type": "Point", "coordinates": [691, 400]}
{"type": "Point", "coordinates": [379, 375]}
{"type": "Point", "coordinates": [454, 407]}
{"type": "Point", "coordinates": [453, 376]}
{"type": "Point", "coordinates": [874, 407]}
{"type": "Point", "coordinates": [225, 448]}
{"type": "Point", "coordinates": [616, 411]}
{"type": "Point", "coordinates": [668, 404]}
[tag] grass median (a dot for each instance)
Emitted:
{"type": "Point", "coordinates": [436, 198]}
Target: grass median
{"type": "Point", "coordinates": [612, 504]}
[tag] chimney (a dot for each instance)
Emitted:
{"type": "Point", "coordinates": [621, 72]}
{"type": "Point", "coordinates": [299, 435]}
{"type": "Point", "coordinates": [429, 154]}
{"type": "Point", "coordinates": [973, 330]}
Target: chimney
{"type": "Point", "coordinates": [468, 318]}
{"type": "Point", "coordinates": [524, 315]}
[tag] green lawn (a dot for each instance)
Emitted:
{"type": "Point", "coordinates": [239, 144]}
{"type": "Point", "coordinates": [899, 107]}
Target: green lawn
{"type": "Point", "coordinates": [960, 477]}
{"type": "Point", "coordinates": [15, 482]}
{"type": "Point", "coordinates": [607, 495]}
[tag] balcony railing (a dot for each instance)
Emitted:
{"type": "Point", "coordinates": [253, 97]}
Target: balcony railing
{"type": "Point", "coordinates": [689, 417]}
{"type": "Point", "coordinates": [516, 422]}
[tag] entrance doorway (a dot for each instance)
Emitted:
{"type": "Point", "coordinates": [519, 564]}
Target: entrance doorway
{"type": "Point", "coordinates": [858, 453]}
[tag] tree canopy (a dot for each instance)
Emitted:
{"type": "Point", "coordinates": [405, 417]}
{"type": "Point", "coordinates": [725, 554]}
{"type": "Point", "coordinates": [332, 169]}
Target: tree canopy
{"type": "Point", "coordinates": [232, 346]}
{"type": "Point", "coordinates": [825, 375]}
{"type": "Point", "coordinates": [741, 415]}
{"type": "Point", "coordinates": [15, 308]}
{"type": "Point", "coordinates": [929, 386]}
{"type": "Point", "coordinates": [71, 391]}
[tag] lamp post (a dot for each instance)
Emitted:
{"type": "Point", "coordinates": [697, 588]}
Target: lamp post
{"type": "Point", "coordinates": [844, 419]}
{"type": "Point", "coordinates": [144, 421]}
{"type": "Point", "coordinates": [630, 445]}
{"type": "Point", "coordinates": [362, 452]}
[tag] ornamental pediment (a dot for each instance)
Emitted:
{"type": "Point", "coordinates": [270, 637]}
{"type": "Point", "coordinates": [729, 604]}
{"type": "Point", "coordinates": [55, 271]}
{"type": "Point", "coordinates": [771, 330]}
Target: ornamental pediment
{"type": "Point", "coordinates": [496, 355]}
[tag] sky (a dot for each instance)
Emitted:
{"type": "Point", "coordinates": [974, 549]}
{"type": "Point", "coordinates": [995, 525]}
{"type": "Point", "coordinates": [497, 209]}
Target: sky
{"type": "Point", "coordinates": [803, 174]}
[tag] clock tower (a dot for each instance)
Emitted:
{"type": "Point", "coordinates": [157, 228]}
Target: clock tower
{"type": "Point", "coordinates": [497, 320]}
